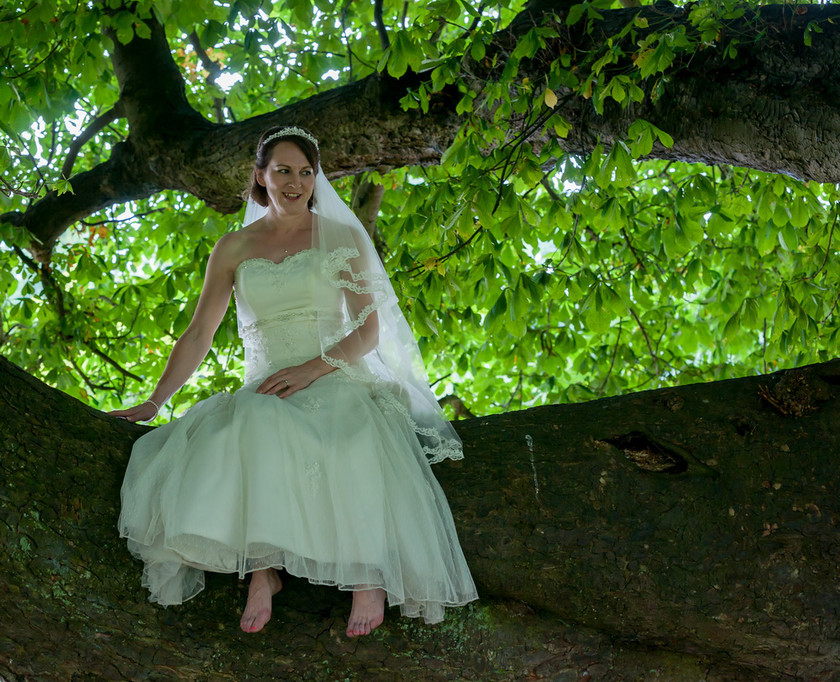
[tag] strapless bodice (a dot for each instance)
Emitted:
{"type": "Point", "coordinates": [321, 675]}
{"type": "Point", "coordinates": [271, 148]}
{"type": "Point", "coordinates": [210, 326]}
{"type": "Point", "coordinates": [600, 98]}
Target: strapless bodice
{"type": "Point", "coordinates": [278, 307]}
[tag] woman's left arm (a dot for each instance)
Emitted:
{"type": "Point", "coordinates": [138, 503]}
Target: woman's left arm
{"type": "Point", "coordinates": [364, 338]}
{"type": "Point", "coordinates": [354, 346]}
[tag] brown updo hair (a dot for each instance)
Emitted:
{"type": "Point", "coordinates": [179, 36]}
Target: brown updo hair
{"type": "Point", "coordinates": [310, 151]}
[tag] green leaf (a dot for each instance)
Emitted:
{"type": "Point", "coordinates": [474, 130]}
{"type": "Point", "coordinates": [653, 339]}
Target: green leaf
{"type": "Point", "coordinates": [598, 318]}
{"type": "Point", "coordinates": [142, 30]}
{"type": "Point", "coordinates": [732, 328]}
{"type": "Point", "coordinates": [561, 126]}
{"type": "Point", "coordinates": [497, 310]}
{"type": "Point", "coordinates": [800, 214]}
{"type": "Point", "coordinates": [618, 166]}
{"type": "Point", "coordinates": [477, 50]}
{"type": "Point", "coordinates": [575, 14]}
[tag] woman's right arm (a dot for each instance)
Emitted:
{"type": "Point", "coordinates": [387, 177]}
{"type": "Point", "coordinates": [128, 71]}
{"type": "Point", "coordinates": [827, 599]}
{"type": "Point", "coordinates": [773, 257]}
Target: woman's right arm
{"type": "Point", "coordinates": [193, 345]}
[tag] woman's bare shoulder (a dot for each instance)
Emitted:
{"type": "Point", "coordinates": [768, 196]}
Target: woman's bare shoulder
{"type": "Point", "coordinates": [233, 244]}
{"type": "Point", "coordinates": [230, 250]}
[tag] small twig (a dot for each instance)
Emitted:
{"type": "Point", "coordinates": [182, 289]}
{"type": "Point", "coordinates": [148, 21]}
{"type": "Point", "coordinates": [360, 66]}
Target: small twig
{"type": "Point", "coordinates": [120, 220]}
{"type": "Point", "coordinates": [831, 312]}
{"type": "Point", "coordinates": [743, 182]}
{"type": "Point", "coordinates": [439, 379]}
{"type": "Point", "coordinates": [647, 341]}
{"type": "Point", "coordinates": [827, 248]}
{"type": "Point", "coordinates": [571, 242]}
{"type": "Point", "coordinates": [92, 386]}
{"type": "Point", "coordinates": [26, 259]}
{"type": "Point", "coordinates": [516, 390]}
{"type": "Point", "coordinates": [575, 222]}
{"type": "Point", "coordinates": [632, 250]}
{"type": "Point", "coordinates": [17, 16]}
{"type": "Point", "coordinates": [35, 165]}
{"type": "Point", "coordinates": [600, 389]}
{"type": "Point", "coordinates": [90, 344]}
{"type": "Point", "coordinates": [548, 188]}
{"type": "Point", "coordinates": [451, 253]}
{"type": "Point", "coordinates": [314, 81]}
{"type": "Point", "coordinates": [360, 60]}
{"type": "Point", "coordinates": [9, 191]}
{"type": "Point", "coordinates": [34, 66]}
{"type": "Point", "coordinates": [764, 346]}
{"type": "Point", "coordinates": [517, 144]}
{"type": "Point", "coordinates": [508, 163]}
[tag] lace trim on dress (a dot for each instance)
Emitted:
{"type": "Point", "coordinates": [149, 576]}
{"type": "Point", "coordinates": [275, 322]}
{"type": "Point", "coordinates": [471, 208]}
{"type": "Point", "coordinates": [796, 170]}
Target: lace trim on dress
{"type": "Point", "coordinates": [338, 261]}
{"type": "Point", "coordinates": [352, 325]}
{"type": "Point", "coordinates": [287, 260]}
{"type": "Point", "coordinates": [249, 332]}
{"type": "Point", "coordinates": [436, 447]}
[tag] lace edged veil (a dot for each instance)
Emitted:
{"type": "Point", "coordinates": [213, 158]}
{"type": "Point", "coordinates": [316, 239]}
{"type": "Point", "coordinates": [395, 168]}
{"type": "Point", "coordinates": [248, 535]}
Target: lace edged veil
{"type": "Point", "coordinates": [370, 339]}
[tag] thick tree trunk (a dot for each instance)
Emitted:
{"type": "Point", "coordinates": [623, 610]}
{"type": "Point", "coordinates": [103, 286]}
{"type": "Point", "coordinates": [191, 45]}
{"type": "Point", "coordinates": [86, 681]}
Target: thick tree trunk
{"type": "Point", "coordinates": [773, 108]}
{"type": "Point", "coordinates": [688, 531]}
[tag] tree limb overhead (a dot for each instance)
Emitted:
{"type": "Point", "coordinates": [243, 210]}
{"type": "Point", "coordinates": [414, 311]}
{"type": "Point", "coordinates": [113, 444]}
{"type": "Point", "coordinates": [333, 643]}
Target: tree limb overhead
{"type": "Point", "coordinates": [770, 105]}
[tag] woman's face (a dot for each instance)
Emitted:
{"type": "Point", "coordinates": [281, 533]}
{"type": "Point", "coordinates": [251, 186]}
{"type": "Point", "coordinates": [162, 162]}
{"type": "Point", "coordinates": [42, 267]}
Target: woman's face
{"type": "Point", "coordinates": [288, 178]}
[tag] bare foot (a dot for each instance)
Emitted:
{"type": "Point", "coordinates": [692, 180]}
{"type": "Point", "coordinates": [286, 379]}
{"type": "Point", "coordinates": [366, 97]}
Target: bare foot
{"type": "Point", "coordinates": [264, 585]}
{"type": "Point", "coordinates": [367, 613]}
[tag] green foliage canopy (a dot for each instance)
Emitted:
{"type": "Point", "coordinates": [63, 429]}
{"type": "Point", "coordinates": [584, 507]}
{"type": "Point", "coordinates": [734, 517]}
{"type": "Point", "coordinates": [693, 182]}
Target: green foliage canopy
{"type": "Point", "coordinates": [530, 275]}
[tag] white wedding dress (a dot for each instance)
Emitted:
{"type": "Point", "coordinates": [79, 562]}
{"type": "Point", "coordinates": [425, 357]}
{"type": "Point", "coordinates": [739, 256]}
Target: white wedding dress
{"type": "Point", "coordinates": [330, 483]}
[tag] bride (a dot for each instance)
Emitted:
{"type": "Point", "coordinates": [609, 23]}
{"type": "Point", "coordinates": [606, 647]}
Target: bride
{"type": "Point", "coordinates": [319, 464]}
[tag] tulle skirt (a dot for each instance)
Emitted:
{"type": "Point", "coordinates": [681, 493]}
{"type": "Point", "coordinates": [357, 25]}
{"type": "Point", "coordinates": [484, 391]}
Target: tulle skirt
{"type": "Point", "coordinates": [329, 484]}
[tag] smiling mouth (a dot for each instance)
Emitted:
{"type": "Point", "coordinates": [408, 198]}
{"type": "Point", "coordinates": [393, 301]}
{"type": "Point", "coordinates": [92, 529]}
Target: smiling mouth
{"type": "Point", "coordinates": [291, 195]}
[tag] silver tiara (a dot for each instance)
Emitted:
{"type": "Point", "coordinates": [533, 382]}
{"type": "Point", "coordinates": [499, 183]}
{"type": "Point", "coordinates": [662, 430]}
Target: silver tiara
{"type": "Point", "coordinates": [290, 130]}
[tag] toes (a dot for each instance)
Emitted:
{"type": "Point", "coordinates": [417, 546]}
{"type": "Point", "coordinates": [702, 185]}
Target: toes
{"type": "Point", "coordinates": [355, 628]}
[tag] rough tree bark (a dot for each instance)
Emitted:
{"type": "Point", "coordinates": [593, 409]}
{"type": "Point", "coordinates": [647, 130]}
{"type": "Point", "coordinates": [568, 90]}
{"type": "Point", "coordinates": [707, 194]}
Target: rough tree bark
{"type": "Point", "coordinates": [691, 532]}
{"type": "Point", "coordinates": [774, 108]}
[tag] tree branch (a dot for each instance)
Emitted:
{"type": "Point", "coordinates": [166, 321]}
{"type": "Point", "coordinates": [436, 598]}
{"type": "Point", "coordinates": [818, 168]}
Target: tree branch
{"type": "Point", "coordinates": [651, 350]}
{"type": "Point", "coordinates": [458, 406]}
{"type": "Point", "coordinates": [717, 110]}
{"type": "Point", "coordinates": [659, 559]}
{"type": "Point", "coordinates": [380, 25]}
{"type": "Point", "coordinates": [122, 370]}
{"type": "Point", "coordinates": [828, 246]}
{"type": "Point", "coordinates": [96, 125]}
{"type": "Point", "coordinates": [632, 249]}
{"type": "Point", "coordinates": [350, 76]}
{"type": "Point", "coordinates": [143, 214]}
{"type": "Point", "coordinates": [88, 382]}
{"type": "Point", "coordinates": [366, 198]}
{"type": "Point", "coordinates": [9, 190]}
{"type": "Point", "coordinates": [214, 70]}
{"type": "Point", "coordinates": [600, 390]}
